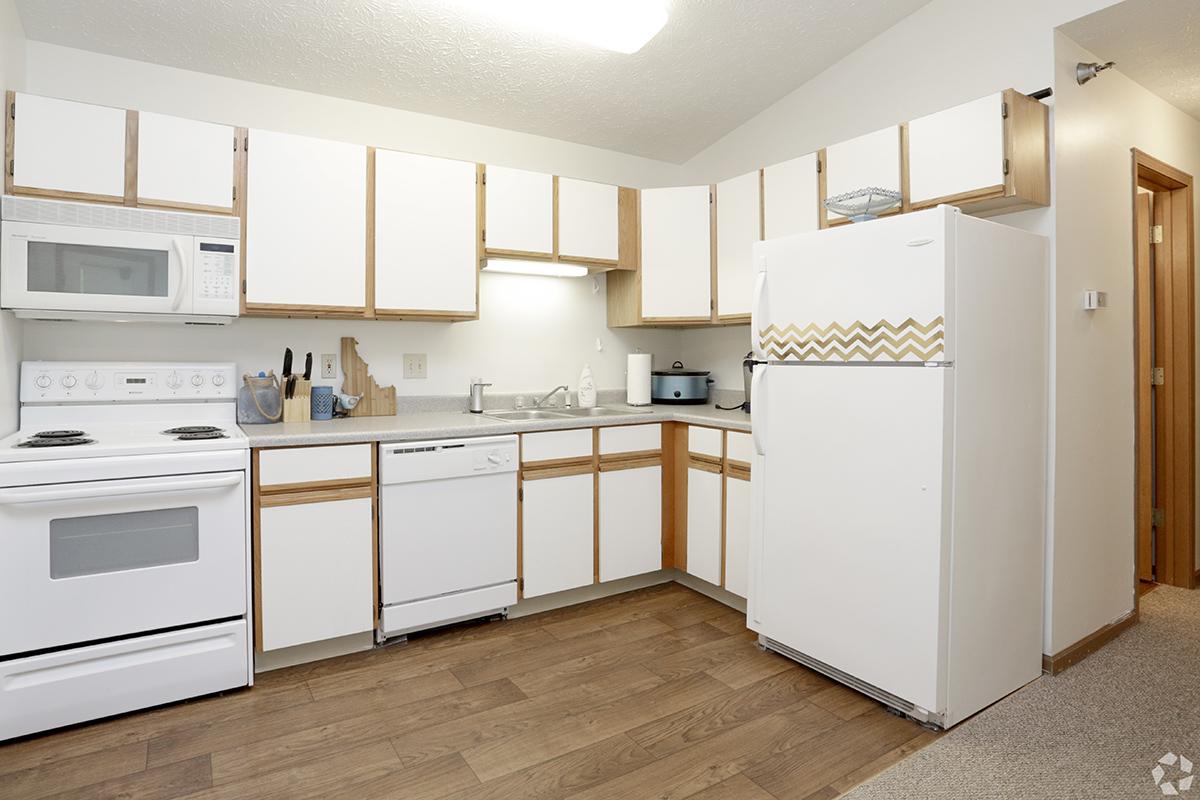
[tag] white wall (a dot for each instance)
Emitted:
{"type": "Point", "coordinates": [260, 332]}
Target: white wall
{"type": "Point", "coordinates": [1092, 571]}
{"type": "Point", "coordinates": [533, 332]}
{"type": "Point", "coordinates": [12, 76]}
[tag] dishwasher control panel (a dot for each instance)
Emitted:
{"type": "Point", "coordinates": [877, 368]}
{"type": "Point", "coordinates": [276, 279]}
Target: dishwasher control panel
{"type": "Point", "coordinates": [450, 458]}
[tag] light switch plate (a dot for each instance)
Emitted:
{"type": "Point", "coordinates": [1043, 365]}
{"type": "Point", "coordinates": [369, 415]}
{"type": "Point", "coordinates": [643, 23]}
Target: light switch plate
{"type": "Point", "coordinates": [328, 365]}
{"type": "Point", "coordinates": [414, 365]}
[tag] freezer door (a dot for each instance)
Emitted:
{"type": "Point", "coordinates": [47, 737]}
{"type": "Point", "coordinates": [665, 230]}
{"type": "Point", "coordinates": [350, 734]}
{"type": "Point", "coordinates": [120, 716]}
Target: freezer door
{"type": "Point", "coordinates": [849, 546]}
{"type": "Point", "coordinates": [872, 292]}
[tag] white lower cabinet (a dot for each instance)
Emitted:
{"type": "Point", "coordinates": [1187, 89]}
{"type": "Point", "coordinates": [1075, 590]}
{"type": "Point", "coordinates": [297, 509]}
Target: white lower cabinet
{"type": "Point", "coordinates": [557, 539]}
{"type": "Point", "coordinates": [630, 522]}
{"type": "Point", "coordinates": [737, 534]}
{"type": "Point", "coordinates": [316, 571]}
{"type": "Point", "coordinates": [704, 524]}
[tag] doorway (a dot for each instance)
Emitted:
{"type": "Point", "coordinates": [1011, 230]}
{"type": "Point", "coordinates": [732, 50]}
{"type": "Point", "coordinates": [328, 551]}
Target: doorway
{"type": "Point", "coordinates": [1164, 365]}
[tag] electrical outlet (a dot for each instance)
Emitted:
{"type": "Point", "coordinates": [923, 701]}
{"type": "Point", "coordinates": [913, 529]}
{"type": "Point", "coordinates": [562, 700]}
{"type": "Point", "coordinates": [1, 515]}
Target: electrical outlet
{"type": "Point", "coordinates": [414, 365]}
{"type": "Point", "coordinates": [328, 365]}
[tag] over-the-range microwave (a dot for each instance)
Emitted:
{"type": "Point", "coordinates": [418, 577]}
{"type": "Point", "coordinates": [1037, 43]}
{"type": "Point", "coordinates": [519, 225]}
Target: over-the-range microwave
{"type": "Point", "coordinates": [64, 260]}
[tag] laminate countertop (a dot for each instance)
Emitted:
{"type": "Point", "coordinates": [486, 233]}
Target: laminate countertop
{"type": "Point", "coordinates": [421, 425]}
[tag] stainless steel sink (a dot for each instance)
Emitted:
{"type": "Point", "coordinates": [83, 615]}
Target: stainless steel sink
{"type": "Point", "coordinates": [526, 413]}
{"type": "Point", "coordinates": [602, 411]}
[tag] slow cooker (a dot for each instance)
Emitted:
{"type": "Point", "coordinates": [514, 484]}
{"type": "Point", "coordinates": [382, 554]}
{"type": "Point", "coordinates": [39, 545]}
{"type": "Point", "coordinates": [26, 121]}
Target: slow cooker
{"type": "Point", "coordinates": [679, 385]}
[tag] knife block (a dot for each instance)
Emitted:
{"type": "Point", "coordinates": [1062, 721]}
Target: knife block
{"type": "Point", "coordinates": [298, 408]}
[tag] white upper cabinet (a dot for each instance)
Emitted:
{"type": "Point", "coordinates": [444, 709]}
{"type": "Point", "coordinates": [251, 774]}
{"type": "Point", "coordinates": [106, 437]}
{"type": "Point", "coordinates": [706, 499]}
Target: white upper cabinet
{"type": "Point", "coordinates": [956, 151]}
{"type": "Point", "coordinates": [519, 211]}
{"type": "Point", "coordinates": [305, 222]}
{"type": "Point", "coordinates": [587, 221]}
{"type": "Point", "coordinates": [739, 224]}
{"type": "Point", "coordinates": [425, 216]}
{"type": "Point", "coordinates": [871, 160]}
{"type": "Point", "coordinates": [184, 163]}
{"type": "Point", "coordinates": [790, 198]}
{"type": "Point", "coordinates": [64, 147]}
{"type": "Point", "coordinates": [676, 254]}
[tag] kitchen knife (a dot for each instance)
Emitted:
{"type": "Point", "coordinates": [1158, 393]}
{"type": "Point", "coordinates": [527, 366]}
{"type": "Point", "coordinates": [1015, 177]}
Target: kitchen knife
{"type": "Point", "coordinates": [308, 367]}
{"type": "Point", "coordinates": [287, 362]}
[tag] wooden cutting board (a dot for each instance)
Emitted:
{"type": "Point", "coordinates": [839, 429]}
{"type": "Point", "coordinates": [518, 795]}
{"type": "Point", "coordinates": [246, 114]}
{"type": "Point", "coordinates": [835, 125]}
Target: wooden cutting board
{"type": "Point", "coordinates": [376, 401]}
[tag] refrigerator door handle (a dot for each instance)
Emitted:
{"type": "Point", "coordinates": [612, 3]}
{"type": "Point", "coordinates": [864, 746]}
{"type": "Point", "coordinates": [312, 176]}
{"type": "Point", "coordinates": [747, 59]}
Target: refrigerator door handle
{"type": "Point", "coordinates": [757, 408]}
{"type": "Point", "coordinates": [760, 292]}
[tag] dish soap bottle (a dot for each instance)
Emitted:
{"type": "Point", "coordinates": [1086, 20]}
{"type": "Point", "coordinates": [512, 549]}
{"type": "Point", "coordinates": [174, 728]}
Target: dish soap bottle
{"type": "Point", "coordinates": [587, 388]}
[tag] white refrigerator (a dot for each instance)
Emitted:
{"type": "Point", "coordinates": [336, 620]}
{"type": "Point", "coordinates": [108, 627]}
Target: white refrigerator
{"type": "Point", "coordinates": [899, 421]}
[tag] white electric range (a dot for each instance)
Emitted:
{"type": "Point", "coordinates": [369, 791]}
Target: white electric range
{"type": "Point", "coordinates": [124, 542]}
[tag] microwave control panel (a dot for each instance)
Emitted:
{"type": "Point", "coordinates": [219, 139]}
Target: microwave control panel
{"type": "Point", "coordinates": [215, 276]}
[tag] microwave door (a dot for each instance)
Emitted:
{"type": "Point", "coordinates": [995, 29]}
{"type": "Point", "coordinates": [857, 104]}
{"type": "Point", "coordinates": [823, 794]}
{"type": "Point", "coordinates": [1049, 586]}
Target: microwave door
{"type": "Point", "coordinates": [87, 269]}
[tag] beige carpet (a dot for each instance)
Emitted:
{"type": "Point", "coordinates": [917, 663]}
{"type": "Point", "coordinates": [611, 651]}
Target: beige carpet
{"type": "Point", "coordinates": [1095, 731]}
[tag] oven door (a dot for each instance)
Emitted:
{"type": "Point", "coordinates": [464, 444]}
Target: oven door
{"type": "Point", "coordinates": [81, 562]}
{"type": "Point", "coordinates": [63, 268]}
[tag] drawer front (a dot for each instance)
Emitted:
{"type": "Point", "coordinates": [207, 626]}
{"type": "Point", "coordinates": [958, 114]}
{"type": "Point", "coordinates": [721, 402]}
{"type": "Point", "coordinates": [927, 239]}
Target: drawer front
{"type": "Point", "coordinates": [741, 447]}
{"type": "Point", "coordinates": [290, 466]}
{"type": "Point", "coordinates": [704, 441]}
{"type": "Point", "coordinates": [556, 445]}
{"type": "Point", "coordinates": [630, 439]}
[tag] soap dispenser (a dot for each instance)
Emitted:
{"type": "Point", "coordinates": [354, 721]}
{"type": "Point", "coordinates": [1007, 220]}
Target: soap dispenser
{"type": "Point", "coordinates": [587, 388]}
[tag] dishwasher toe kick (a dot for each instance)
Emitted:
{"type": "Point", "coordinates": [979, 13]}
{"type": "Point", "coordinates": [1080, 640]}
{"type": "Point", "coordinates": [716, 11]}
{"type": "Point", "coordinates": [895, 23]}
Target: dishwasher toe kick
{"type": "Point", "coordinates": [448, 608]}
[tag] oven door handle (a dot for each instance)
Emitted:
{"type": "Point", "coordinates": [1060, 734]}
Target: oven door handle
{"type": "Point", "coordinates": [54, 494]}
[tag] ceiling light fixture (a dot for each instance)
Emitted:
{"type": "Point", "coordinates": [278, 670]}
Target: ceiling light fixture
{"type": "Point", "coordinates": [548, 268]}
{"type": "Point", "coordinates": [620, 25]}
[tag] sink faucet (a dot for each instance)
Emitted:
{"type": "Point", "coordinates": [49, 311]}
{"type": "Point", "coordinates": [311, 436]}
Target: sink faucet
{"type": "Point", "coordinates": [549, 394]}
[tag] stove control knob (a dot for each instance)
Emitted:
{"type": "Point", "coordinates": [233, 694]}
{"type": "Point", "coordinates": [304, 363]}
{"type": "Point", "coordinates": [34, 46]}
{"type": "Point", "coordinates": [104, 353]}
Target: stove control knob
{"type": "Point", "coordinates": [43, 381]}
{"type": "Point", "coordinates": [218, 379]}
{"type": "Point", "coordinates": [197, 380]}
{"type": "Point", "coordinates": [68, 381]}
{"type": "Point", "coordinates": [95, 381]}
{"type": "Point", "coordinates": [173, 381]}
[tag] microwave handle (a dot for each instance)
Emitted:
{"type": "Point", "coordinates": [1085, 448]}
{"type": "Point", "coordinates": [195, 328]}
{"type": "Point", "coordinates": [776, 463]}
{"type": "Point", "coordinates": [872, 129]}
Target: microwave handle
{"type": "Point", "coordinates": [179, 272]}
{"type": "Point", "coordinates": [47, 495]}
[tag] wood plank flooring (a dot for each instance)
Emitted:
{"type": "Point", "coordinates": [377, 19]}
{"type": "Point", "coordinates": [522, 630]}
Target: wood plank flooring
{"type": "Point", "coordinates": [658, 693]}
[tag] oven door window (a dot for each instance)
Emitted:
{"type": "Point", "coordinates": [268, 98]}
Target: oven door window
{"type": "Point", "coordinates": [118, 542]}
{"type": "Point", "coordinates": [94, 270]}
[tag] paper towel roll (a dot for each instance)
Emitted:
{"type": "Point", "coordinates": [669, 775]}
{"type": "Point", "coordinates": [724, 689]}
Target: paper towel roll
{"type": "Point", "coordinates": [637, 379]}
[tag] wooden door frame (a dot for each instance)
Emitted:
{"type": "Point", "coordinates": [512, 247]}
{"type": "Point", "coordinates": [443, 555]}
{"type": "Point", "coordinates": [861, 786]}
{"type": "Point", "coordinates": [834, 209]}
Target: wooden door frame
{"type": "Point", "coordinates": [1174, 265]}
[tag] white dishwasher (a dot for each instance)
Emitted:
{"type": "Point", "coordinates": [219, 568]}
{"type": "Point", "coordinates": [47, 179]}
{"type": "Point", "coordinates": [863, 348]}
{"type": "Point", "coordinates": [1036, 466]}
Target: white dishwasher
{"type": "Point", "coordinates": [448, 532]}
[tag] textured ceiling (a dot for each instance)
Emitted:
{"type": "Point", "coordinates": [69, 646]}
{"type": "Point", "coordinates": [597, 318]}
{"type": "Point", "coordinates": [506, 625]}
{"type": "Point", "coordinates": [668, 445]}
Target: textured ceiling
{"type": "Point", "coordinates": [715, 64]}
{"type": "Point", "coordinates": [1154, 42]}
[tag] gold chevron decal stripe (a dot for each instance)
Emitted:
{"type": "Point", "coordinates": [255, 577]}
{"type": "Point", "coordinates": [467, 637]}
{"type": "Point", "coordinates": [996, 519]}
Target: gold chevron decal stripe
{"type": "Point", "coordinates": [882, 341]}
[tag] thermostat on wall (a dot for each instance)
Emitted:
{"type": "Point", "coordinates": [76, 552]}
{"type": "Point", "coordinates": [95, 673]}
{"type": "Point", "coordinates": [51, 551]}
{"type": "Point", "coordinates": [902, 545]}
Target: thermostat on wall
{"type": "Point", "coordinates": [1093, 299]}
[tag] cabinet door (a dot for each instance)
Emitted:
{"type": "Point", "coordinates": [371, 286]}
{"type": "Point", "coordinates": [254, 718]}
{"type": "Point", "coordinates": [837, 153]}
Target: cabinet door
{"type": "Point", "coordinates": [557, 540]}
{"type": "Point", "coordinates": [630, 522]}
{"type": "Point", "coordinates": [790, 197]}
{"type": "Point", "coordinates": [519, 212]}
{"type": "Point", "coordinates": [676, 254]}
{"type": "Point", "coordinates": [67, 148]}
{"type": "Point", "coordinates": [737, 534]}
{"type": "Point", "coordinates": [704, 524]}
{"type": "Point", "coordinates": [425, 259]}
{"type": "Point", "coordinates": [739, 223]}
{"type": "Point", "coordinates": [316, 571]}
{"type": "Point", "coordinates": [305, 223]}
{"type": "Point", "coordinates": [957, 151]}
{"type": "Point", "coordinates": [587, 221]}
{"type": "Point", "coordinates": [184, 163]}
{"type": "Point", "coordinates": [872, 160]}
